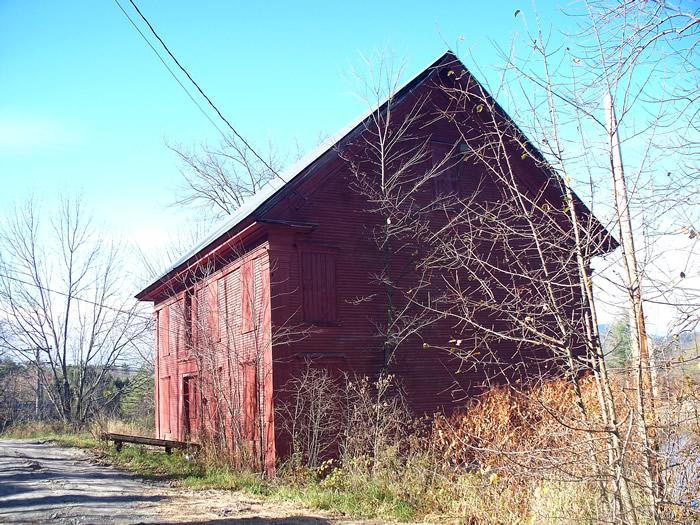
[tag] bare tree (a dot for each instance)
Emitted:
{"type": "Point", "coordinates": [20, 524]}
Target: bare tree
{"type": "Point", "coordinates": [220, 179]}
{"type": "Point", "coordinates": [64, 306]}
{"type": "Point", "coordinates": [310, 415]}
{"type": "Point", "coordinates": [389, 165]}
{"type": "Point", "coordinates": [641, 58]}
{"type": "Point", "coordinates": [509, 262]}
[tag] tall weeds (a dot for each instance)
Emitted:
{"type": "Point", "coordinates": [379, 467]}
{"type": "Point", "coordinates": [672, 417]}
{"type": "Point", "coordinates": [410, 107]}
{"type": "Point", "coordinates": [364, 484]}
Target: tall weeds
{"type": "Point", "coordinates": [509, 456]}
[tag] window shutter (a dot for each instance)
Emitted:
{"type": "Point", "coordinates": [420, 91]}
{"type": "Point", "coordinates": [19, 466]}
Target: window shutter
{"type": "Point", "coordinates": [163, 331]}
{"type": "Point", "coordinates": [195, 329]}
{"type": "Point", "coordinates": [176, 326]}
{"type": "Point", "coordinates": [187, 318]}
{"type": "Point", "coordinates": [247, 296]}
{"type": "Point", "coordinates": [164, 405]}
{"type": "Point", "coordinates": [213, 310]}
{"type": "Point", "coordinates": [250, 401]}
{"type": "Point", "coordinates": [318, 281]}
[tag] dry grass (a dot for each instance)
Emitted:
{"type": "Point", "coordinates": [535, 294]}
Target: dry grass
{"type": "Point", "coordinates": [122, 427]}
{"type": "Point", "coordinates": [519, 431]}
{"type": "Point", "coordinates": [508, 457]}
{"type": "Point", "coordinates": [393, 466]}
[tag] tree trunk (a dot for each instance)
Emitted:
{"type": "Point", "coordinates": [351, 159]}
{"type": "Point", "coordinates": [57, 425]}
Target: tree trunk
{"type": "Point", "coordinates": [643, 379]}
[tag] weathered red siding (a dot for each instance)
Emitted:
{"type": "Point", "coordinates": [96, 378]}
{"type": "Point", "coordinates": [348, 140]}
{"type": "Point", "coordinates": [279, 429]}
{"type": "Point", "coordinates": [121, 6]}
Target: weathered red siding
{"type": "Point", "coordinates": [309, 258]}
{"type": "Point", "coordinates": [228, 351]}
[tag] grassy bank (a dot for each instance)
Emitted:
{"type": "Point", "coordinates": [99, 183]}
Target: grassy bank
{"type": "Point", "coordinates": [154, 464]}
{"type": "Point", "coordinates": [392, 492]}
{"type": "Point", "coordinates": [505, 458]}
{"type": "Point", "coordinates": [304, 487]}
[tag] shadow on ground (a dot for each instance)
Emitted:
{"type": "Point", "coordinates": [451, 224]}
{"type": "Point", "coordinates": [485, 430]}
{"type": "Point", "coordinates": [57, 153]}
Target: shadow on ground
{"type": "Point", "coordinates": [74, 499]}
{"type": "Point", "coordinates": [293, 520]}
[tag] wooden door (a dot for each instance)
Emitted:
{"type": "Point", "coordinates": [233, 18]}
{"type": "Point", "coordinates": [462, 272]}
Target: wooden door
{"type": "Point", "coordinates": [190, 407]}
{"type": "Point", "coordinates": [250, 407]}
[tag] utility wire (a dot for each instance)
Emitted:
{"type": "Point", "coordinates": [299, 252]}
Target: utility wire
{"type": "Point", "coordinates": [201, 91]}
{"type": "Point", "coordinates": [174, 331]}
{"type": "Point", "coordinates": [77, 298]}
{"type": "Point", "coordinates": [81, 299]}
{"type": "Point", "coordinates": [172, 73]}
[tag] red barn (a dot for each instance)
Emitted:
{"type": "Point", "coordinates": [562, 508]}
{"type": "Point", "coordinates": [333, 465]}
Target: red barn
{"type": "Point", "coordinates": [299, 255]}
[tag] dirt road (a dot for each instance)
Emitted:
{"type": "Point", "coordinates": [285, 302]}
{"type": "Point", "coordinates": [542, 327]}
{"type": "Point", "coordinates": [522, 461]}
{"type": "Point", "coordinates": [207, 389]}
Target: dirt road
{"type": "Point", "coordinates": [44, 483]}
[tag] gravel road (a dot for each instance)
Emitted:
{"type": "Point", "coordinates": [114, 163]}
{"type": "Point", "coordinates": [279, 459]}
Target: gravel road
{"type": "Point", "coordinates": [44, 483]}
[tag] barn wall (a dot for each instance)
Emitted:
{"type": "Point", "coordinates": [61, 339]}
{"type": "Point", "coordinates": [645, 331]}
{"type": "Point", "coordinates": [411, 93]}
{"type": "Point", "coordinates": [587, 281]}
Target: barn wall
{"type": "Point", "coordinates": [225, 345]}
{"type": "Point", "coordinates": [351, 342]}
{"type": "Point", "coordinates": [315, 292]}
{"type": "Point", "coordinates": [432, 379]}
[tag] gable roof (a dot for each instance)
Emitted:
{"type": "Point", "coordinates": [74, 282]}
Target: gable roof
{"type": "Point", "coordinates": [281, 183]}
{"type": "Point", "coordinates": [282, 180]}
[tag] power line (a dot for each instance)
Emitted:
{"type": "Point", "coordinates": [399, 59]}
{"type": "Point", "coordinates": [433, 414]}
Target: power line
{"type": "Point", "coordinates": [77, 298]}
{"type": "Point", "coordinates": [174, 331]}
{"type": "Point", "coordinates": [201, 91]}
{"type": "Point", "coordinates": [81, 299]}
{"type": "Point", "coordinates": [172, 73]}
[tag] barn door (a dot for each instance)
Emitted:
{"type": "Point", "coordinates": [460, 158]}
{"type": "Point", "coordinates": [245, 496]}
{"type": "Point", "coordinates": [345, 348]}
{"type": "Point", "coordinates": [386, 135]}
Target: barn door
{"type": "Point", "coordinates": [190, 407]}
{"type": "Point", "coordinates": [250, 408]}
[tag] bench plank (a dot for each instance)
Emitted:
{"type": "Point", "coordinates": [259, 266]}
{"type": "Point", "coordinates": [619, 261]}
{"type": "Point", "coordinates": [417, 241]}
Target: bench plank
{"type": "Point", "coordinates": [169, 444]}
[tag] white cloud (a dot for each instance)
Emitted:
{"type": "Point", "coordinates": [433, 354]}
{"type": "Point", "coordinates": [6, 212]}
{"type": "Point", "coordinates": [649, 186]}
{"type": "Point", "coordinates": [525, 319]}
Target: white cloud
{"type": "Point", "coordinates": [23, 134]}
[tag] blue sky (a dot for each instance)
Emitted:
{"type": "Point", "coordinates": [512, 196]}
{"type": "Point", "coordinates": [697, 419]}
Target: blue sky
{"type": "Point", "coordinates": [85, 106]}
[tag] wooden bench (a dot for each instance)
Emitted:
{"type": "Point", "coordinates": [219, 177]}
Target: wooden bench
{"type": "Point", "coordinates": [168, 444]}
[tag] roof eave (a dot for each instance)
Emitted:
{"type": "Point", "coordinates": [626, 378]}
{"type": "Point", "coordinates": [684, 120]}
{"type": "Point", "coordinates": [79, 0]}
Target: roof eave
{"type": "Point", "coordinates": [215, 248]}
{"type": "Point", "coordinates": [284, 180]}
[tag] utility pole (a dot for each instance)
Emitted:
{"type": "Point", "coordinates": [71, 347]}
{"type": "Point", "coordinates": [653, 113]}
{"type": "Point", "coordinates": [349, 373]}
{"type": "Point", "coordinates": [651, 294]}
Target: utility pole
{"type": "Point", "coordinates": [39, 401]}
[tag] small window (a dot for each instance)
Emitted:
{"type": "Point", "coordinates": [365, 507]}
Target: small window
{"type": "Point", "coordinates": [188, 318]}
{"type": "Point", "coordinates": [247, 296]}
{"type": "Point", "coordinates": [177, 327]}
{"type": "Point", "coordinates": [226, 307]}
{"type": "Point", "coordinates": [204, 308]}
{"type": "Point", "coordinates": [318, 281]}
{"type": "Point", "coordinates": [250, 401]}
